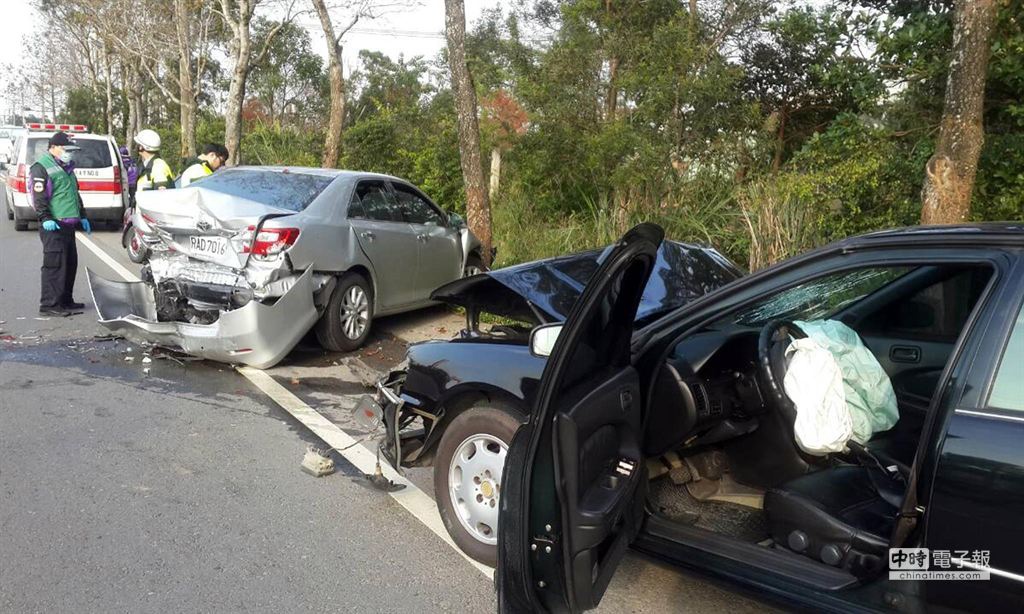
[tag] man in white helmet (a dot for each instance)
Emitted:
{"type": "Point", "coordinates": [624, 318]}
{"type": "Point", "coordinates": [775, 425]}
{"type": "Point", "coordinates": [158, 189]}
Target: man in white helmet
{"type": "Point", "coordinates": [155, 174]}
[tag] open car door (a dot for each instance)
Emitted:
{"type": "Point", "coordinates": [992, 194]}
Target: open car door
{"type": "Point", "coordinates": [574, 478]}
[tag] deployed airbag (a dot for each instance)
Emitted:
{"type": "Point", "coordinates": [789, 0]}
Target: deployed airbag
{"type": "Point", "coordinates": [832, 370]}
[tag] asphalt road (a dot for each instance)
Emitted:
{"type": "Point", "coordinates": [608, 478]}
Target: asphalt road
{"type": "Point", "coordinates": [180, 490]}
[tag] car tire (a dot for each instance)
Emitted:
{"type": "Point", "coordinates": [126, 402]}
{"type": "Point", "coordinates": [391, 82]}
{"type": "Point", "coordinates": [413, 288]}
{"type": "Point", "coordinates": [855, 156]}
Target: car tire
{"type": "Point", "coordinates": [484, 429]}
{"type": "Point", "coordinates": [20, 225]}
{"type": "Point", "coordinates": [338, 328]}
{"type": "Point", "coordinates": [137, 252]}
{"type": "Point", "coordinates": [10, 214]}
{"type": "Point", "coordinates": [474, 266]}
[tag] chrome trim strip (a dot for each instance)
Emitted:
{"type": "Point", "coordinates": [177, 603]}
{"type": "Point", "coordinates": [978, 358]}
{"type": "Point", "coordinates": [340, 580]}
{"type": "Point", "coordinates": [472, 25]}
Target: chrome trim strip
{"type": "Point", "coordinates": [997, 572]}
{"type": "Point", "coordinates": [985, 414]}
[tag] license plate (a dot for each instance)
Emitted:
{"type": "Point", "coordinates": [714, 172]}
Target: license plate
{"type": "Point", "coordinates": [210, 246]}
{"type": "Point", "coordinates": [368, 412]}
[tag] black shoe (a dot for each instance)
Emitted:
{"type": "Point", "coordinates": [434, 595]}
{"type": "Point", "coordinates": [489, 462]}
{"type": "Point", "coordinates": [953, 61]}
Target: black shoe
{"type": "Point", "coordinates": [73, 305]}
{"type": "Point", "coordinates": [57, 312]}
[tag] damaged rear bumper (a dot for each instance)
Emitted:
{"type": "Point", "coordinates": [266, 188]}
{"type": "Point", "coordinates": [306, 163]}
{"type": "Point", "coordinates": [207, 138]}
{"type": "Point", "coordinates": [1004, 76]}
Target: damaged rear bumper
{"type": "Point", "coordinates": [256, 334]}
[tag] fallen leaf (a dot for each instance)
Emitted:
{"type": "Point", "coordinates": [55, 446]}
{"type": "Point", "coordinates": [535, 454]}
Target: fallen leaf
{"type": "Point", "coordinates": [295, 381]}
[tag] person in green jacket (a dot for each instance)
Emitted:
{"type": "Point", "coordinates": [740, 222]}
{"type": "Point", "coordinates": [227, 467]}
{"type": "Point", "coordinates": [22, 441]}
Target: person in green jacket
{"type": "Point", "coordinates": [60, 210]}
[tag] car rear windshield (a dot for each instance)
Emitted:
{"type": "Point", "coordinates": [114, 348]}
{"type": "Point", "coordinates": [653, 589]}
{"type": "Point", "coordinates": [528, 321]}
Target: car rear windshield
{"type": "Point", "coordinates": [291, 191]}
{"type": "Point", "coordinates": [94, 153]}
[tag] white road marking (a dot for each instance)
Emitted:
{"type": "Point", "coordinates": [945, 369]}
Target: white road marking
{"type": "Point", "coordinates": [107, 259]}
{"type": "Point", "coordinates": [414, 500]}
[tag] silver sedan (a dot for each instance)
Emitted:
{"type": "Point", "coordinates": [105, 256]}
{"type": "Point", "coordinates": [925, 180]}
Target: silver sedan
{"type": "Point", "coordinates": [243, 263]}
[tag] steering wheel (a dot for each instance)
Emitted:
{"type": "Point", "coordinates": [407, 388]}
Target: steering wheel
{"type": "Point", "coordinates": [771, 360]}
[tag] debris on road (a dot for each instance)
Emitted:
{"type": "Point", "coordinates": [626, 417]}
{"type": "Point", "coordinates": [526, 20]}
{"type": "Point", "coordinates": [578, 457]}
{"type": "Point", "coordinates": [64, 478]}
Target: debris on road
{"type": "Point", "coordinates": [316, 462]}
{"type": "Point", "coordinates": [146, 360]}
{"type": "Point", "coordinates": [378, 481]}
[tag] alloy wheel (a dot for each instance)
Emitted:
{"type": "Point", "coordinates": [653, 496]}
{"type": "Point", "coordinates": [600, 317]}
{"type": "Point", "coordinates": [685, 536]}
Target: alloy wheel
{"type": "Point", "coordinates": [355, 312]}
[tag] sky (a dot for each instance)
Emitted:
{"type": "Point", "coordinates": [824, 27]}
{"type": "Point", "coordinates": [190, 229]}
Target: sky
{"type": "Point", "coordinates": [417, 29]}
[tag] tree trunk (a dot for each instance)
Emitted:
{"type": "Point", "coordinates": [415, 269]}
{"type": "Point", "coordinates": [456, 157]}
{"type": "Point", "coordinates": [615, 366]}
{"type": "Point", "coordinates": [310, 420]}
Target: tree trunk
{"type": "Point", "coordinates": [495, 172]}
{"type": "Point", "coordinates": [186, 91]}
{"type": "Point", "coordinates": [131, 79]}
{"type": "Point", "coordinates": [332, 139]}
{"type": "Point", "coordinates": [949, 174]}
{"type": "Point", "coordinates": [478, 207]}
{"type": "Point", "coordinates": [240, 54]}
{"type": "Point", "coordinates": [780, 141]}
{"type": "Point", "coordinates": [108, 107]}
{"type": "Point", "coordinates": [612, 97]}
{"type": "Point", "coordinates": [233, 108]}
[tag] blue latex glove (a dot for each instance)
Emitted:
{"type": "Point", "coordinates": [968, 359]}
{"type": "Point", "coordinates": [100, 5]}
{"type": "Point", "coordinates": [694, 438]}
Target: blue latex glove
{"type": "Point", "coordinates": [51, 225]}
{"type": "Point", "coordinates": [87, 227]}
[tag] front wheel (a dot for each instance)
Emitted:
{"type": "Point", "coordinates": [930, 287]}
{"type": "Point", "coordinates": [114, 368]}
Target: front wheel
{"type": "Point", "coordinates": [467, 477]}
{"type": "Point", "coordinates": [345, 324]}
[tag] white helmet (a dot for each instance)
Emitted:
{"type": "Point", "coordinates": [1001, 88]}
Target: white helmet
{"type": "Point", "coordinates": [148, 140]}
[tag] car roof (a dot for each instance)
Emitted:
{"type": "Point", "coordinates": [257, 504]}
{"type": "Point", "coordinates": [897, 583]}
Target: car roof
{"type": "Point", "coordinates": [323, 172]}
{"type": "Point", "coordinates": [985, 233]}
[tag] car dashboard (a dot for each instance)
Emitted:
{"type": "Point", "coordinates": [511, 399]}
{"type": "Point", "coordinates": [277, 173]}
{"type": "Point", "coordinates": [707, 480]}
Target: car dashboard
{"type": "Point", "coordinates": [707, 391]}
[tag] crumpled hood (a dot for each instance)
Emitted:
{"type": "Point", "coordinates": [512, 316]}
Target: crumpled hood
{"type": "Point", "coordinates": [545, 290]}
{"type": "Point", "coordinates": [186, 207]}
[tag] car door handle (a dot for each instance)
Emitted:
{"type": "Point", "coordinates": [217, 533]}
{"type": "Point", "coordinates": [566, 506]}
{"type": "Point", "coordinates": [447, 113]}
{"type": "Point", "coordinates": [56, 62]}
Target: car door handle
{"type": "Point", "coordinates": [369, 236]}
{"type": "Point", "coordinates": [905, 353]}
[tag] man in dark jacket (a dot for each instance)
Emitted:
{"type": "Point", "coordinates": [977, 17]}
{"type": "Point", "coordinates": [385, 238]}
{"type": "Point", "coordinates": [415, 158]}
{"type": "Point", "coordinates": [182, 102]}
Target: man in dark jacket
{"type": "Point", "coordinates": [61, 210]}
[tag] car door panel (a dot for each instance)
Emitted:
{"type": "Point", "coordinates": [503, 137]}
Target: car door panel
{"type": "Point", "coordinates": [439, 250]}
{"type": "Point", "coordinates": [440, 256]}
{"type": "Point", "coordinates": [582, 442]}
{"type": "Point", "coordinates": [599, 460]}
{"type": "Point", "coordinates": [389, 244]}
{"type": "Point", "coordinates": [914, 381]}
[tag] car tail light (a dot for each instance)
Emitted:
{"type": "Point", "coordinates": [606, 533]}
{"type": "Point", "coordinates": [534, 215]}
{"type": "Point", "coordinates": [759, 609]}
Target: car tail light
{"type": "Point", "coordinates": [271, 241]}
{"type": "Point", "coordinates": [19, 182]}
{"type": "Point", "coordinates": [117, 180]}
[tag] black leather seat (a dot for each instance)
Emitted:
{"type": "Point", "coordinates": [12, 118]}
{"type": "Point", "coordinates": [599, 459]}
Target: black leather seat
{"type": "Point", "coordinates": [842, 516]}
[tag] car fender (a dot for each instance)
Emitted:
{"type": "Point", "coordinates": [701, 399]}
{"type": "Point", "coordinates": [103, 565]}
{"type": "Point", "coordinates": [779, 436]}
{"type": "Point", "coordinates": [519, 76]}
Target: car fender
{"type": "Point", "coordinates": [470, 244]}
{"type": "Point", "coordinates": [448, 376]}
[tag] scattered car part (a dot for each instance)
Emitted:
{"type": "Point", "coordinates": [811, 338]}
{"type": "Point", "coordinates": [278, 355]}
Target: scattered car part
{"type": "Point", "coordinates": [317, 463]}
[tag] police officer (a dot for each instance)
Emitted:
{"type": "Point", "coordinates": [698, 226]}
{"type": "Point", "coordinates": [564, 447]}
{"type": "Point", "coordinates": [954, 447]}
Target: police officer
{"type": "Point", "coordinates": [213, 157]}
{"type": "Point", "coordinates": [60, 209]}
{"type": "Point", "coordinates": [155, 174]}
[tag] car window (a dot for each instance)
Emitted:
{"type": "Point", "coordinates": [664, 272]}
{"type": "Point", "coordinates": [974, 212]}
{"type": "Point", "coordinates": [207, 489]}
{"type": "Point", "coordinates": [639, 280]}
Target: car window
{"type": "Point", "coordinates": [414, 207]}
{"type": "Point", "coordinates": [1008, 388]}
{"type": "Point", "coordinates": [372, 201]}
{"type": "Point", "coordinates": [938, 312]}
{"type": "Point", "coordinates": [819, 298]}
{"type": "Point", "coordinates": [94, 153]}
{"type": "Point", "coordinates": [291, 191]}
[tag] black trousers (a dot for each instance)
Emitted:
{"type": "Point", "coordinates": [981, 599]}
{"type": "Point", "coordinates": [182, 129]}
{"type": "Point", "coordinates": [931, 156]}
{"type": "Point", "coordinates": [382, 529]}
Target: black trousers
{"type": "Point", "coordinates": [60, 265]}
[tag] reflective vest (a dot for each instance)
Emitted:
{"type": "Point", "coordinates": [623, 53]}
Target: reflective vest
{"type": "Point", "coordinates": [194, 172]}
{"type": "Point", "coordinates": [64, 198]}
{"type": "Point", "coordinates": [155, 174]}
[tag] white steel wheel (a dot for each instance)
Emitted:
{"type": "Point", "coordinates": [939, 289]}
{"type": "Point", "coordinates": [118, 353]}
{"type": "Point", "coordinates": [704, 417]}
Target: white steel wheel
{"type": "Point", "coordinates": [474, 485]}
{"type": "Point", "coordinates": [468, 469]}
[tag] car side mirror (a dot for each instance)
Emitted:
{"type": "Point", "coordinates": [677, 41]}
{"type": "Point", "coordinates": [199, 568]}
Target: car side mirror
{"type": "Point", "coordinates": [456, 221]}
{"type": "Point", "coordinates": [543, 338]}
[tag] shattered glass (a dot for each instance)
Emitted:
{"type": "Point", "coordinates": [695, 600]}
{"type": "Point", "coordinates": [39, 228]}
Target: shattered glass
{"type": "Point", "coordinates": [820, 298]}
